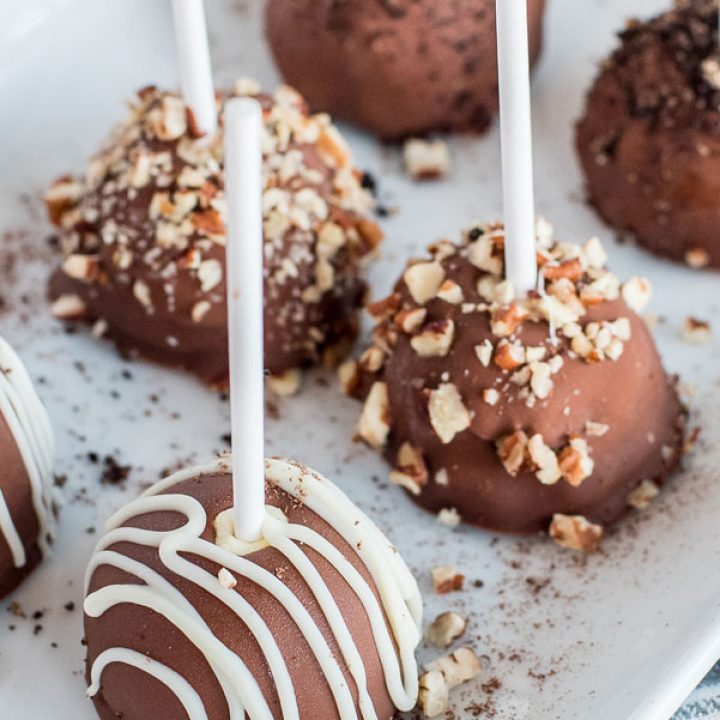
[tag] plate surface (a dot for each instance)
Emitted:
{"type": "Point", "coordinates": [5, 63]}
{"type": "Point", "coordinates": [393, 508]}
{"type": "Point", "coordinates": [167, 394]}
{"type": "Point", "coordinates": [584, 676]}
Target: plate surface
{"type": "Point", "coordinates": [623, 634]}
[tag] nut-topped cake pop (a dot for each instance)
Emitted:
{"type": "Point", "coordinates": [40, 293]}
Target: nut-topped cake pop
{"type": "Point", "coordinates": [397, 68]}
{"type": "Point", "coordinates": [143, 237]}
{"type": "Point", "coordinates": [649, 140]}
{"type": "Point", "coordinates": [26, 460]}
{"type": "Point", "coordinates": [316, 621]}
{"type": "Point", "coordinates": [549, 410]}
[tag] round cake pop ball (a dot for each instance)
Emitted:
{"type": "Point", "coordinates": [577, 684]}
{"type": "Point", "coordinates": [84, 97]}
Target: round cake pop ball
{"type": "Point", "coordinates": [319, 620]}
{"type": "Point", "coordinates": [520, 414]}
{"type": "Point", "coordinates": [649, 140]}
{"type": "Point", "coordinates": [26, 480]}
{"type": "Point", "coordinates": [143, 238]}
{"type": "Point", "coordinates": [397, 68]}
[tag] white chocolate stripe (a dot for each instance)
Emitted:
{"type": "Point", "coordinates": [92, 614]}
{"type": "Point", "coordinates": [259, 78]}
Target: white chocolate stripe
{"type": "Point", "coordinates": [30, 427]}
{"type": "Point", "coordinates": [8, 529]}
{"type": "Point", "coordinates": [396, 588]}
{"type": "Point", "coordinates": [180, 687]}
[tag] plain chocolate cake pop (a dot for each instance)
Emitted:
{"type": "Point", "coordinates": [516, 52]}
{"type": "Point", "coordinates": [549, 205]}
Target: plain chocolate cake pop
{"type": "Point", "coordinates": [649, 140]}
{"type": "Point", "coordinates": [318, 620]}
{"type": "Point", "coordinates": [143, 238]}
{"type": "Point", "coordinates": [397, 68]}
{"type": "Point", "coordinates": [26, 480]}
{"type": "Point", "coordinates": [520, 414]}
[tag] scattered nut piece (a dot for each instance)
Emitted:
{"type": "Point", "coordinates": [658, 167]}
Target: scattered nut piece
{"type": "Point", "coordinates": [457, 667]}
{"type": "Point", "coordinates": [576, 532]}
{"type": "Point", "coordinates": [446, 579]}
{"type": "Point", "coordinates": [696, 332]}
{"type": "Point", "coordinates": [637, 292]}
{"type": "Point", "coordinates": [445, 629]}
{"type": "Point", "coordinates": [449, 517]}
{"type": "Point", "coordinates": [411, 471]}
{"type": "Point", "coordinates": [697, 258]}
{"type": "Point", "coordinates": [433, 695]}
{"type": "Point", "coordinates": [286, 384]}
{"type": "Point", "coordinates": [349, 376]}
{"type": "Point", "coordinates": [426, 160]}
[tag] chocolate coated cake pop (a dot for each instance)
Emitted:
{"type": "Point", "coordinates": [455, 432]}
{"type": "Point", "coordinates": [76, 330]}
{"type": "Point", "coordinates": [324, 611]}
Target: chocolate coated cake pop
{"type": "Point", "coordinates": [143, 238]}
{"type": "Point", "coordinates": [398, 67]}
{"type": "Point", "coordinates": [649, 140]}
{"type": "Point", "coordinates": [26, 461]}
{"type": "Point", "coordinates": [551, 410]}
{"type": "Point", "coordinates": [319, 620]}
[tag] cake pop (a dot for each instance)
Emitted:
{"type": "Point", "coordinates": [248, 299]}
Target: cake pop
{"type": "Point", "coordinates": [318, 620]}
{"type": "Point", "coordinates": [26, 460]}
{"type": "Point", "coordinates": [143, 237]}
{"type": "Point", "coordinates": [545, 410]}
{"type": "Point", "coordinates": [397, 68]}
{"type": "Point", "coordinates": [649, 140]}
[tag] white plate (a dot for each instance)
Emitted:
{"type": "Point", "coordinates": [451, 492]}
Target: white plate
{"type": "Point", "coordinates": [624, 634]}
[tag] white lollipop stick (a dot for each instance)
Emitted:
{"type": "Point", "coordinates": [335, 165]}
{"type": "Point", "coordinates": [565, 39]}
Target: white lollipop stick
{"type": "Point", "coordinates": [196, 79]}
{"type": "Point", "coordinates": [516, 140]}
{"type": "Point", "coordinates": [243, 190]}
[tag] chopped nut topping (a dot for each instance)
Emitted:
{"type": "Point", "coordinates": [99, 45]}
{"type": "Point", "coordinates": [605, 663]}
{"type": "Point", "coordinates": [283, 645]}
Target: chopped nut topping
{"type": "Point", "coordinates": [374, 424]}
{"type": "Point", "coordinates": [69, 307]}
{"type": "Point", "coordinates": [451, 292]}
{"type": "Point", "coordinates": [210, 274]}
{"type": "Point", "coordinates": [448, 414]}
{"type": "Point", "coordinates": [441, 477]}
{"type": "Point", "coordinates": [435, 339]}
{"type": "Point", "coordinates": [641, 497]}
{"type": "Point", "coordinates": [505, 321]}
{"type": "Point", "coordinates": [696, 332]}
{"type": "Point", "coordinates": [509, 356]}
{"type": "Point", "coordinates": [511, 450]}
{"type": "Point", "coordinates": [426, 160]}
{"type": "Point", "coordinates": [349, 377]}
{"type": "Point", "coordinates": [200, 310]}
{"type": "Point", "coordinates": [576, 533]}
{"type": "Point", "coordinates": [82, 267]}
{"type": "Point", "coordinates": [491, 396]}
{"type": "Point", "coordinates": [446, 579]}
{"type": "Point", "coordinates": [484, 353]}
{"type": "Point", "coordinates": [410, 321]}
{"type": "Point", "coordinates": [548, 469]}
{"type": "Point", "coordinates": [445, 629]}
{"type": "Point", "coordinates": [423, 280]}
{"type": "Point", "coordinates": [372, 359]}
{"type": "Point", "coordinates": [576, 465]}
{"type": "Point", "coordinates": [411, 471]}
{"type": "Point", "coordinates": [595, 429]}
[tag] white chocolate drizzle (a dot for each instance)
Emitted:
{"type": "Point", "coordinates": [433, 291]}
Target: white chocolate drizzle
{"type": "Point", "coordinates": [399, 599]}
{"type": "Point", "coordinates": [29, 426]}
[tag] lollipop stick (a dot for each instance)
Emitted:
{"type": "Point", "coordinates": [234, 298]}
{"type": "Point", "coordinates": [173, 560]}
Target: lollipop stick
{"type": "Point", "coordinates": [243, 188]}
{"type": "Point", "coordinates": [196, 79]}
{"type": "Point", "coordinates": [516, 140]}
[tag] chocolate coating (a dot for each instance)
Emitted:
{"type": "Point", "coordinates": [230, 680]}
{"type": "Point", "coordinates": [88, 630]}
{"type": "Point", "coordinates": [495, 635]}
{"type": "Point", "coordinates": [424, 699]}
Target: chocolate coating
{"type": "Point", "coordinates": [608, 419]}
{"type": "Point", "coordinates": [649, 140]}
{"type": "Point", "coordinates": [17, 493]}
{"type": "Point", "coordinates": [136, 695]}
{"type": "Point", "coordinates": [143, 238]}
{"type": "Point", "coordinates": [395, 67]}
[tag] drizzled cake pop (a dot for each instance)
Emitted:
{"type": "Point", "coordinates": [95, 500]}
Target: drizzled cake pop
{"type": "Point", "coordinates": [143, 238]}
{"type": "Point", "coordinates": [397, 68]}
{"type": "Point", "coordinates": [319, 620]}
{"type": "Point", "coordinates": [550, 410]}
{"type": "Point", "coordinates": [649, 140]}
{"type": "Point", "coordinates": [26, 461]}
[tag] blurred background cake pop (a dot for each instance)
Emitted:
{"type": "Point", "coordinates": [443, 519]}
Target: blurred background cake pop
{"type": "Point", "coordinates": [649, 139]}
{"type": "Point", "coordinates": [398, 68]}
{"type": "Point", "coordinates": [27, 510]}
